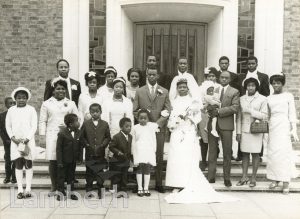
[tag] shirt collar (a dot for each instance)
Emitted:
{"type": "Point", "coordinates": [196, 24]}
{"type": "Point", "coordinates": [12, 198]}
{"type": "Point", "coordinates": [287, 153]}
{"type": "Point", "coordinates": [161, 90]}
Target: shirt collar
{"type": "Point", "coordinates": [180, 73]}
{"type": "Point", "coordinates": [225, 88]}
{"type": "Point", "coordinates": [150, 86]}
{"type": "Point", "coordinates": [252, 73]}
{"type": "Point", "coordinates": [126, 136]}
{"type": "Point", "coordinates": [64, 79]}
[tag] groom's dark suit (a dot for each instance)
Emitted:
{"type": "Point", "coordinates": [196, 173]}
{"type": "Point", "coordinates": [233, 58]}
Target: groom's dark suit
{"type": "Point", "coordinates": [225, 126]}
{"type": "Point", "coordinates": [155, 105]}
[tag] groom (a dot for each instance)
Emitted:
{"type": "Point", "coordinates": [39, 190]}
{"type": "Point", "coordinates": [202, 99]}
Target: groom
{"type": "Point", "coordinates": [225, 125]}
{"type": "Point", "coordinates": [155, 98]}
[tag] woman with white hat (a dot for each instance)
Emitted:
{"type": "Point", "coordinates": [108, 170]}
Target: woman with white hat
{"type": "Point", "coordinates": [21, 125]}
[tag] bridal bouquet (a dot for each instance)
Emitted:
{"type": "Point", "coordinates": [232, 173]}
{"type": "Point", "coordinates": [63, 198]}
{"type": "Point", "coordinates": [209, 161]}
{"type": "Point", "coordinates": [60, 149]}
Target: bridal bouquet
{"type": "Point", "coordinates": [190, 114]}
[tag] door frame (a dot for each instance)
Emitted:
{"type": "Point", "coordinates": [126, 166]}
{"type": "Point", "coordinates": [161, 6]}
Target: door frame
{"type": "Point", "coordinates": [171, 22]}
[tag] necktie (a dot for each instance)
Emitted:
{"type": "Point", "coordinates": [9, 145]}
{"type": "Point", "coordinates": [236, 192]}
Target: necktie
{"type": "Point", "coordinates": [152, 92]}
{"type": "Point", "coordinates": [222, 94]}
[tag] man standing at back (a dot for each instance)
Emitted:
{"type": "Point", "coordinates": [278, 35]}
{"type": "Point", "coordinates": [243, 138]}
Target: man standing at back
{"type": "Point", "coordinates": [224, 64]}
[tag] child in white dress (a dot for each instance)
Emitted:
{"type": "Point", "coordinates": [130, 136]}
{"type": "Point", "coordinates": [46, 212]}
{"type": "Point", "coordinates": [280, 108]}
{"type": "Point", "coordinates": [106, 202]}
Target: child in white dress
{"type": "Point", "coordinates": [21, 125]}
{"type": "Point", "coordinates": [212, 97]}
{"type": "Point", "coordinates": [144, 149]}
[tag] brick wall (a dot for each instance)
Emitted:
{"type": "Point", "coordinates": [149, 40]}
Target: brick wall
{"type": "Point", "coordinates": [291, 50]}
{"type": "Point", "coordinates": [30, 45]}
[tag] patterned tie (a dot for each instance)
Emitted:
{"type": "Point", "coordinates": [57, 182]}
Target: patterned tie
{"type": "Point", "coordinates": [222, 94]}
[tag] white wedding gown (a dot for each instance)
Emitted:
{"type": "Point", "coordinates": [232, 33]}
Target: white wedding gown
{"type": "Point", "coordinates": [183, 160]}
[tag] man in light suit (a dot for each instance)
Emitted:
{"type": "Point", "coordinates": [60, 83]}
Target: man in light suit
{"type": "Point", "coordinates": [225, 125]}
{"type": "Point", "coordinates": [74, 89]}
{"type": "Point", "coordinates": [155, 98]}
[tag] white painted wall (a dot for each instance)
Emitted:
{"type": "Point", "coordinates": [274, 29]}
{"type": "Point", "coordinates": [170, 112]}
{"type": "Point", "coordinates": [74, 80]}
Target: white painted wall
{"type": "Point", "coordinates": [268, 38]}
{"type": "Point", "coordinates": [76, 37]}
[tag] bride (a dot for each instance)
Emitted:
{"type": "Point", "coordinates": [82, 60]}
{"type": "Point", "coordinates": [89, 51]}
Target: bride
{"type": "Point", "coordinates": [183, 173]}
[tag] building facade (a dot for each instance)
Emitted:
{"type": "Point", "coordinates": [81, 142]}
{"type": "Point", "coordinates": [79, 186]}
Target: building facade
{"type": "Point", "coordinates": [91, 34]}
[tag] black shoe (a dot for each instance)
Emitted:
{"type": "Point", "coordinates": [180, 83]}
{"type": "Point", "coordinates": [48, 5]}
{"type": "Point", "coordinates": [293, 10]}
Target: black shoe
{"type": "Point", "coordinates": [233, 158]}
{"type": "Point", "coordinates": [74, 197]}
{"type": "Point", "coordinates": [20, 195]}
{"type": "Point", "coordinates": [212, 181]}
{"type": "Point", "coordinates": [238, 159]}
{"type": "Point", "coordinates": [227, 183]}
{"type": "Point", "coordinates": [160, 189]}
{"type": "Point", "coordinates": [75, 181]}
{"type": "Point", "coordinates": [13, 180]}
{"type": "Point", "coordinates": [147, 193]}
{"type": "Point", "coordinates": [6, 180]}
{"type": "Point", "coordinates": [27, 195]}
{"type": "Point", "coordinates": [203, 165]}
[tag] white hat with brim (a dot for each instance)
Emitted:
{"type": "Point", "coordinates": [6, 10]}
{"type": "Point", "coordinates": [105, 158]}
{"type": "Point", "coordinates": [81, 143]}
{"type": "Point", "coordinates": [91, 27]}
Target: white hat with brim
{"type": "Point", "coordinates": [13, 94]}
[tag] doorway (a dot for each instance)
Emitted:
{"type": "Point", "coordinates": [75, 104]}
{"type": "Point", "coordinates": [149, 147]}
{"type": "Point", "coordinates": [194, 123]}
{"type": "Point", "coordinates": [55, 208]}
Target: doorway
{"type": "Point", "coordinates": [168, 42]}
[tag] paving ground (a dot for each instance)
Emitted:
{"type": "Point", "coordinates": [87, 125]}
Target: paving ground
{"type": "Point", "coordinates": [252, 206]}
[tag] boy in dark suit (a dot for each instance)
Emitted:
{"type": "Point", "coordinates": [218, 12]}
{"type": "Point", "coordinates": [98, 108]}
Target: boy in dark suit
{"type": "Point", "coordinates": [9, 165]}
{"type": "Point", "coordinates": [74, 89]}
{"type": "Point", "coordinates": [121, 147]}
{"type": "Point", "coordinates": [95, 138]}
{"type": "Point", "coordinates": [68, 152]}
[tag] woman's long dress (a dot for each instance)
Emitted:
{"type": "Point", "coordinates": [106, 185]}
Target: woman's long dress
{"type": "Point", "coordinates": [281, 157]}
{"type": "Point", "coordinates": [183, 161]}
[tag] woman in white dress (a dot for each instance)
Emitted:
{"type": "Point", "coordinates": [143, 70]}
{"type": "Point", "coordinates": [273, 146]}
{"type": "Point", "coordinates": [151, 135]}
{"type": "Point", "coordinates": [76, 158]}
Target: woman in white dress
{"type": "Point", "coordinates": [282, 127]}
{"type": "Point", "coordinates": [21, 125]}
{"type": "Point", "coordinates": [51, 120]}
{"type": "Point", "coordinates": [184, 153]}
{"type": "Point", "coordinates": [106, 91]}
{"type": "Point", "coordinates": [89, 97]}
{"type": "Point", "coordinates": [117, 107]}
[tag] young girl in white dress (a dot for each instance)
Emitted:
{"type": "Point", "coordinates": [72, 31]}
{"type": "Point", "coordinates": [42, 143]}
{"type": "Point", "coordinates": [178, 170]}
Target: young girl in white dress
{"type": "Point", "coordinates": [21, 125]}
{"type": "Point", "coordinates": [144, 150]}
{"type": "Point", "coordinates": [89, 97]}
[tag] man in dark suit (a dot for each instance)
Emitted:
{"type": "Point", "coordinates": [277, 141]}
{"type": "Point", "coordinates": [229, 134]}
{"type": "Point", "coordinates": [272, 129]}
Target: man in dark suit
{"type": "Point", "coordinates": [120, 145]}
{"type": "Point", "coordinates": [74, 89]}
{"type": "Point", "coordinates": [163, 80]}
{"type": "Point", "coordinates": [9, 164]}
{"type": "Point", "coordinates": [224, 64]}
{"type": "Point", "coordinates": [229, 98]}
{"type": "Point", "coordinates": [68, 152]}
{"type": "Point", "coordinates": [159, 106]}
{"type": "Point", "coordinates": [264, 87]}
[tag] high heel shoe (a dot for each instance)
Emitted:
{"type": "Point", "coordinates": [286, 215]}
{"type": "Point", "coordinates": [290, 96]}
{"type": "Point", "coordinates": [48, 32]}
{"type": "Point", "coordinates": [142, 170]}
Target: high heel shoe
{"type": "Point", "coordinates": [242, 182]}
{"type": "Point", "coordinates": [285, 191]}
{"type": "Point", "coordinates": [273, 185]}
{"type": "Point", "coordinates": [252, 184]}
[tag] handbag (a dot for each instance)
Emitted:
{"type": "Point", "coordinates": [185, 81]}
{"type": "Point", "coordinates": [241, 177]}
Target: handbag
{"type": "Point", "coordinates": [259, 126]}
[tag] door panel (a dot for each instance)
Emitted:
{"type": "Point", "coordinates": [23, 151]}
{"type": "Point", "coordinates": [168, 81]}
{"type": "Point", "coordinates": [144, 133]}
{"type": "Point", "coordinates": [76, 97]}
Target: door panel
{"type": "Point", "coordinates": [168, 42]}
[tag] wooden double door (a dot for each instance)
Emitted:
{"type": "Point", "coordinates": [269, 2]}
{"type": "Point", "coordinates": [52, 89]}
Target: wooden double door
{"type": "Point", "coordinates": [168, 42]}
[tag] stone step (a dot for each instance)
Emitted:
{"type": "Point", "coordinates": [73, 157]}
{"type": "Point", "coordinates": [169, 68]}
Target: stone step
{"type": "Point", "coordinates": [236, 172]}
{"type": "Point", "coordinates": [261, 186]}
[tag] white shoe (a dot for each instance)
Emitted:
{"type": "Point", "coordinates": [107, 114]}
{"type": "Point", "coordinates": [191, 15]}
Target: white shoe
{"type": "Point", "coordinates": [215, 133]}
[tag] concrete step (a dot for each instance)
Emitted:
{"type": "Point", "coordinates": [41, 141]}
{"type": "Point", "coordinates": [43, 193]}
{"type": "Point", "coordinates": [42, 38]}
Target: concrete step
{"type": "Point", "coordinates": [261, 186]}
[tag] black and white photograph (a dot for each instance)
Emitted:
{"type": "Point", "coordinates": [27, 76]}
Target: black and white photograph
{"type": "Point", "coordinates": [149, 109]}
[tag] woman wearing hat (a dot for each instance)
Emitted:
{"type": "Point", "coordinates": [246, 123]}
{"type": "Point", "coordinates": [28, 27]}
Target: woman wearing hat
{"type": "Point", "coordinates": [106, 91]}
{"type": "Point", "coordinates": [21, 125]}
{"type": "Point", "coordinates": [282, 129]}
{"type": "Point", "coordinates": [51, 120]}
{"type": "Point", "coordinates": [89, 97]}
{"type": "Point", "coordinates": [117, 106]}
{"type": "Point", "coordinates": [253, 106]}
